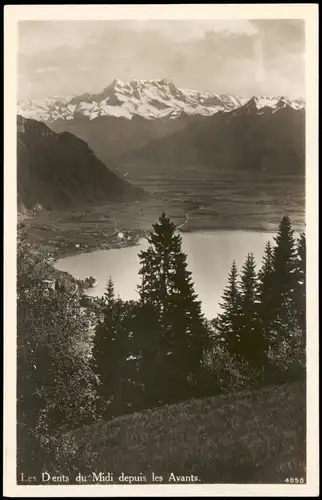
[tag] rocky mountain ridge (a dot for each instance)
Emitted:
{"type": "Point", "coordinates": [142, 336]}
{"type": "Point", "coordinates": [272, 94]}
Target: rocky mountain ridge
{"type": "Point", "coordinates": [149, 99]}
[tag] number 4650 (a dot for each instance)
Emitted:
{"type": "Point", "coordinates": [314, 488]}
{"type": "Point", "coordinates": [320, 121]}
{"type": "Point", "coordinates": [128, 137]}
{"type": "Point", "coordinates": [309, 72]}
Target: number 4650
{"type": "Point", "coordinates": [294, 480]}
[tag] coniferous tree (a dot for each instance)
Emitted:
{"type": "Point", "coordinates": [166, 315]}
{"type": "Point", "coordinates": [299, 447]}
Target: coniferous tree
{"type": "Point", "coordinates": [180, 330]}
{"type": "Point", "coordinates": [148, 330]}
{"type": "Point", "coordinates": [265, 273]}
{"type": "Point", "coordinates": [148, 289]}
{"type": "Point", "coordinates": [189, 333]}
{"type": "Point", "coordinates": [148, 351]}
{"type": "Point", "coordinates": [228, 321]}
{"type": "Point", "coordinates": [252, 342]}
{"type": "Point", "coordinates": [285, 339]}
{"type": "Point", "coordinates": [109, 353]}
{"type": "Point", "coordinates": [284, 279]}
{"type": "Point", "coordinates": [266, 293]}
{"type": "Point", "coordinates": [130, 390]}
{"type": "Point", "coordinates": [109, 294]}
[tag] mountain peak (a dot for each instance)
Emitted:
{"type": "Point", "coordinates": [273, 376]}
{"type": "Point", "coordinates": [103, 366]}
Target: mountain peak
{"type": "Point", "coordinates": [149, 99]}
{"type": "Point", "coordinates": [253, 101]}
{"type": "Point", "coordinates": [162, 81]}
{"type": "Point", "coordinates": [251, 106]}
{"type": "Point", "coordinates": [117, 82]}
{"type": "Point", "coordinates": [284, 102]}
{"type": "Point", "coordinates": [256, 104]}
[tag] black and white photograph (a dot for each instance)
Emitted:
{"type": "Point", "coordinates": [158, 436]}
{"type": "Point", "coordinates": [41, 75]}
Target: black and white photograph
{"type": "Point", "coordinates": [162, 224]}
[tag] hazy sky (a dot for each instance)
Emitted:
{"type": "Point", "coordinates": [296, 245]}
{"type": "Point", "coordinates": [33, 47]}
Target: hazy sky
{"type": "Point", "coordinates": [67, 58]}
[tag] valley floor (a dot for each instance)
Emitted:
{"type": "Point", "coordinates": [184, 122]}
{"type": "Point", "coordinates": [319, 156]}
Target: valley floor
{"type": "Point", "coordinates": [249, 437]}
{"type": "Point", "coordinates": [207, 206]}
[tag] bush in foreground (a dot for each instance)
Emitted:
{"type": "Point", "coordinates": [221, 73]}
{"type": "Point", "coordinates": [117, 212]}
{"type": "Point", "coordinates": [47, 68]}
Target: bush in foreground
{"type": "Point", "coordinates": [56, 388]}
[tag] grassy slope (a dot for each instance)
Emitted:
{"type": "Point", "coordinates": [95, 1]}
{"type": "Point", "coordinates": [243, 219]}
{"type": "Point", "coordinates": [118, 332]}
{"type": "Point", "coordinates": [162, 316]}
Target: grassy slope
{"type": "Point", "coordinates": [255, 436]}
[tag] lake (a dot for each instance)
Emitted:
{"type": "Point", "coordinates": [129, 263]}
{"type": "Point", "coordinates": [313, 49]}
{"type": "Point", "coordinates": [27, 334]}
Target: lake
{"type": "Point", "coordinates": [210, 256]}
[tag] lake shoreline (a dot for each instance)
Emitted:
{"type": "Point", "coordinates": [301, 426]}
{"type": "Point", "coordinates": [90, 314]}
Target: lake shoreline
{"type": "Point", "coordinates": [73, 253]}
{"type": "Point", "coordinates": [209, 260]}
{"type": "Point", "coordinates": [126, 244]}
{"type": "Point", "coordinates": [58, 250]}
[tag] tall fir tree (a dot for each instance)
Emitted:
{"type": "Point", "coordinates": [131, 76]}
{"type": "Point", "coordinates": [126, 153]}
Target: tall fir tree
{"type": "Point", "coordinates": [109, 294]}
{"type": "Point", "coordinates": [180, 330]}
{"type": "Point", "coordinates": [229, 320]}
{"type": "Point", "coordinates": [266, 292]}
{"type": "Point", "coordinates": [109, 354]}
{"type": "Point", "coordinates": [265, 272]}
{"type": "Point", "coordinates": [284, 279]}
{"type": "Point", "coordinates": [147, 349]}
{"type": "Point", "coordinates": [252, 345]}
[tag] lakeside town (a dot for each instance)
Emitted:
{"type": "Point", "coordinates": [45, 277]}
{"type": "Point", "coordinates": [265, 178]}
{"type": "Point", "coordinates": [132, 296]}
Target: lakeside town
{"type": "Point", "coordinates": [46, 239]}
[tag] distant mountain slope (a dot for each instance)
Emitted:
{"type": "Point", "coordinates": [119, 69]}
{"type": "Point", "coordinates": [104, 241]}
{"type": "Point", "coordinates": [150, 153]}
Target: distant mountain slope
{"type": "Point", "coordinates": [127, 116]}
{"type": "Point", "coordinates": [109, 136]}
{"type": "Point", "coordinates": [253, 138]}
{"type": "Point", "coordinates": [60, 170]}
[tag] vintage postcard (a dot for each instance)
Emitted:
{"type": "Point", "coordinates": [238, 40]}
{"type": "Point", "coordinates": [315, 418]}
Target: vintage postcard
{"type": "Point", "coordinates": [161, 250]}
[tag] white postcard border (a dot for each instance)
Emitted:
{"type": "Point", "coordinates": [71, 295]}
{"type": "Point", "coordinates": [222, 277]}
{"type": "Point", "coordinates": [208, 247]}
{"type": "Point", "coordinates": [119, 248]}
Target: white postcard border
{"type": "Point", "coordinates": [12, 15]}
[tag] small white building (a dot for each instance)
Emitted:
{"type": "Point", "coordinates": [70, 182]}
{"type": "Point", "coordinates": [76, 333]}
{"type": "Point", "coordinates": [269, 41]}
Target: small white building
{"type": "Point", "coordinates": [50, 284]}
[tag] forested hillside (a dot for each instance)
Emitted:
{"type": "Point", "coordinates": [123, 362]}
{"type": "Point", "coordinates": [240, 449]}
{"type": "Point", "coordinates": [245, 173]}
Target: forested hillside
{"type": "Point", "coordinates": [159, 350]}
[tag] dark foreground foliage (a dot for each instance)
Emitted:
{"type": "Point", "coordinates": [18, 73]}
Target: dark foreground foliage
{"type": "Point", "coordinates": [160, 360]}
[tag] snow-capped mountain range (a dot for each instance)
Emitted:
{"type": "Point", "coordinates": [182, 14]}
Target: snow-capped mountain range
{"type": "Point", "coordinates": [149, 99]}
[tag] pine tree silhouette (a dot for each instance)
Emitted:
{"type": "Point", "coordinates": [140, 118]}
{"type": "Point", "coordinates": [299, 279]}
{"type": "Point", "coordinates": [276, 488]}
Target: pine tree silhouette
{"type": "Point", "coordinates": [109, 294]}
{"type": "Point", "coordinates": [266, 293]}
{"type": "Point", "coordinates": [168, 290]}
{"type": "Point", "coordinates": [147, 340]}
{"type": "Point", "coordinates": [149, 287]}
{"type": "Point", "coordinates": [229, 320]}
{"type": "Point", "coordinates": [109, 353]}
{"type": "Point", "coordinates": [284, 279]}
{"type": "Point", "coordinates": [252, 342]}
{"type": "Point", "coordinates": [265, 273]}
